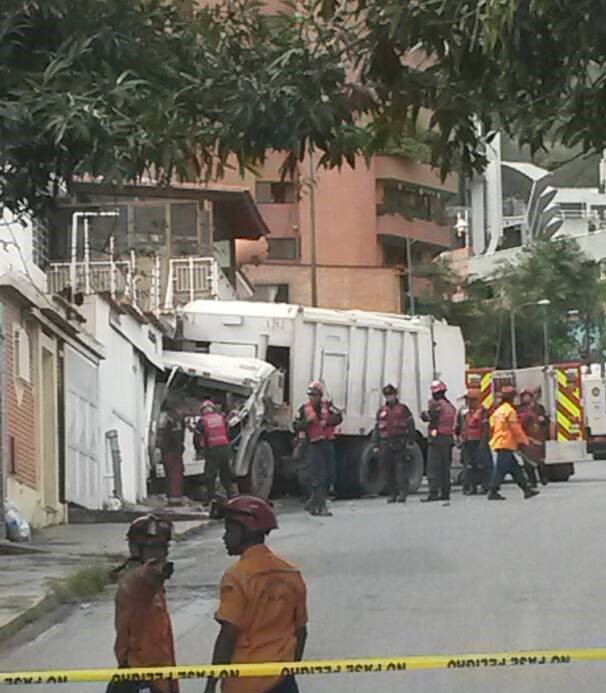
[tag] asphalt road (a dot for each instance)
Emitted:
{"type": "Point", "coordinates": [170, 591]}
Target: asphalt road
{"type": "Point", "coordinates": [393, 580]}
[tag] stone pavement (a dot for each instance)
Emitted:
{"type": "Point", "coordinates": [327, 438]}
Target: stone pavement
{"type": "Point", "coordinates": [36, 576]}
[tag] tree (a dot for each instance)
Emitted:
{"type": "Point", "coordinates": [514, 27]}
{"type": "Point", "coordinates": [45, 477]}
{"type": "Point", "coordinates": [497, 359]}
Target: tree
{"type": "Point", "coordinates": [120, 88]}
{"type": "Point", "coordinates": [535, 68]}
{"type": "Point", "coordinates": [550, 269]}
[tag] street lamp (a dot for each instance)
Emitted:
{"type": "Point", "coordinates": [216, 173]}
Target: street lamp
{"type": "Point", "coordinates": [544, 302]}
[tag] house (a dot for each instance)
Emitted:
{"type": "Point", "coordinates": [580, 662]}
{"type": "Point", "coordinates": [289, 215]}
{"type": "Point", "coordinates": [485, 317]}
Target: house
{"type": "Point", "coordinates": [345, 238]}
{"type": "Point", "coordinates": [158, 247]}
{"type": "Point", "coordinates": [42, 351]}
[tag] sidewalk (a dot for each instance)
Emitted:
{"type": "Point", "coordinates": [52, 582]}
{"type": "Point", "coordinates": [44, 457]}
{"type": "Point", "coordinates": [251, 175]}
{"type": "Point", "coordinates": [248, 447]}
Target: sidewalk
{"type": "Point", "coordinates": [62, 561]}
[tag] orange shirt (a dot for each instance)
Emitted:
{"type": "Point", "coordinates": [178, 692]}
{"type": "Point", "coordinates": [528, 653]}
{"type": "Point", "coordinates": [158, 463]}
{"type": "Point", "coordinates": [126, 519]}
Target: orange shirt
{"type": "Point", "coordinates": [507, 432]}
{"type": "Point", "coordinates": [264, 597]}
{"type": "Point", "coordinates": [144, 635]}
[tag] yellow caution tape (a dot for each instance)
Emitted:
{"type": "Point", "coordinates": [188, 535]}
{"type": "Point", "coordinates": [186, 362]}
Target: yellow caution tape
{"type": "Point", "coordinates": [531, 658]}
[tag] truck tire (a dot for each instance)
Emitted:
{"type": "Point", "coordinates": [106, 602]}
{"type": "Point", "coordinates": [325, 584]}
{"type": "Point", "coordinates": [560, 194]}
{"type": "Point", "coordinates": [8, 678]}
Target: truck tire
{"type": "Point", "coordinates": [371, 474]}
{"type": "Point", "coordinates": [262, 469]}
{"type": "Point", "coordinates": [417, 464]}
{"type": "Point", "coordinates": [559, 472]}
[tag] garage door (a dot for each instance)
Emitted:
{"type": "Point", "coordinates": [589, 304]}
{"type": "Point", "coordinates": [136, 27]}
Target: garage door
{"type": "Point", "coordinates": [83, 477]}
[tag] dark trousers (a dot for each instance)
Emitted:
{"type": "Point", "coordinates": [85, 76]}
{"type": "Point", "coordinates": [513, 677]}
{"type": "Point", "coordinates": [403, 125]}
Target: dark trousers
{"type": "Point", "coordinates": [173, 466]}
{"type": "Point", "coordinates": [507, 464]}
{"type": "Point", "coordinates": [475, 472]}
{"type": "Point", "coordinates": [439, 460]}
{"type": "Point", "coordinates": [397, 469]}
{"type": "Point", "coordinates": [217, 461]}
{"type": "Point", "coordinates": [287, 685]}
{"type": "Point", "coordinates": [318, 459]}
{"type": "Point", "coordinates": [331, 465]}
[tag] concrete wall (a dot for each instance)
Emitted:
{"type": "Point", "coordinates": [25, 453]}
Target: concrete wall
{"type": "Point", "coordinates": [364, 288]}
{"type": "Point", "coordinates": [16, 249]}
{"type": "Point", "coordinates": [125, 392]}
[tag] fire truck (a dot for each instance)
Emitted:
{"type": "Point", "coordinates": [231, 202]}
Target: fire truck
{"type": "Point", "coordinates": [560, 389]}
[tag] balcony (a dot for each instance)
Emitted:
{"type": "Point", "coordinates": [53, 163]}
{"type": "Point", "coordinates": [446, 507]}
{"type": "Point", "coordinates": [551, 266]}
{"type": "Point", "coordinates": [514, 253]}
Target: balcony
{"type": "Point", "coordinates": [390, 167]}
{"type": "Point", "coordinates": [115, 278]}
{"type": "Point", "coordinates": [422, 230]}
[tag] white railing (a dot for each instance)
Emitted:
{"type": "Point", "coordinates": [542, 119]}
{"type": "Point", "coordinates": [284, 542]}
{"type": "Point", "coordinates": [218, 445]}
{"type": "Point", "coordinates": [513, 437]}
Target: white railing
{"type": "Point", "coordinates": [191, 279]}
{"type": "Point", "coordinates": [92, 277]}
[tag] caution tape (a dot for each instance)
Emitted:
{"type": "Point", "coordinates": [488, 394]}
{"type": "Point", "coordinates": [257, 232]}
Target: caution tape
{"type": "Point", "coordinates": [531, 658]}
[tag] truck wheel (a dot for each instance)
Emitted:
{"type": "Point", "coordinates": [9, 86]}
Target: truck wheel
{"type": "Point", "coordinates": [262, 468]}
{"type": "Point", "coordinates": [559, 472]}
{"type": "Point", "coordinates": [416, 468]}
{"type": "Point", "coordinates": [371, 474]}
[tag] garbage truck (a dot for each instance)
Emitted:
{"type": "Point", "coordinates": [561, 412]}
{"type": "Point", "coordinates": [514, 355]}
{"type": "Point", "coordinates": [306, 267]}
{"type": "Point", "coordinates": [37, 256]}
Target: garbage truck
{"type": "Point", "coordinates": [353, 353]}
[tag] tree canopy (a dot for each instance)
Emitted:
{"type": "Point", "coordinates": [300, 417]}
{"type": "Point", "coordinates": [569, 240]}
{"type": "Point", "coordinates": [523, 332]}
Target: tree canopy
{"type": "Point", "coordinates": [551, 269]}
{"type": "Point", "coordinates": [117, 87]}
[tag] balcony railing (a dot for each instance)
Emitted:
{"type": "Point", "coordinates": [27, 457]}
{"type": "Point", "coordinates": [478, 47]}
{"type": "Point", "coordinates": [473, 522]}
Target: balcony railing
{"type": "Point", "coordinates": [191, 279]}
{"type": "Point", "coordinates": [92, 277]}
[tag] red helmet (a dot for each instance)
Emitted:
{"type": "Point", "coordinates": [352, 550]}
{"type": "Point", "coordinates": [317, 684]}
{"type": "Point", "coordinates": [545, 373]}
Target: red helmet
{"type": "Point", "coordinates": [508, 391]}
{"type": "Point", "coordinates": [528, 391]}
{"type": "Point", "coordinates": [315, 388]}
{"type": "Point", "coordinates": [150, 530]}
{"type": "Point", "coordinates": [438, 386]}
{"type": "Point", "coordinates": [255, 514]}
{"type": "Point", "coordinates": [207, 403]}
{"type": "Point", "coordinates": [472, 393]}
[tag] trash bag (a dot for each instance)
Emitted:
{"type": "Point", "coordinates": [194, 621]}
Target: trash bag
{"type": "Point", "coordinates": [17, 529]}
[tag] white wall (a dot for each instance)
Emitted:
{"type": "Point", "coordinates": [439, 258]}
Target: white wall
{"type": "Point", "coordinates": [16, 248]}
{"type": "Point", "coordinates": [124, 399]}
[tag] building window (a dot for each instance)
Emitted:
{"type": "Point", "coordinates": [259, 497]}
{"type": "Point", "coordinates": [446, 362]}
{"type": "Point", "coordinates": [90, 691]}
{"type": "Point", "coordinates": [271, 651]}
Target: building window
{"type": "Point", "coordinates": [22, 354]}
{"type": "Point", "coordinates": [278, 192]}
{"type": "Point", "coordinates": [40, 246]}
{"type": "Point", "coordinates": [282, 248]}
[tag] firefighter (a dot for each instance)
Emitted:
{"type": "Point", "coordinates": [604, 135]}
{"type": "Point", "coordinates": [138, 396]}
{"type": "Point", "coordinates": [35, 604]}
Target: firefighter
{"type": "Point", "coordinates": [144, 636]}
{"type": "Point", "coordinates": [535, 423]}
{"type": "Point", "coordinates": [394, 431]}
{"type": "Point", "coordinates": [315, 419]}
{"type": "Point", "coordinates": [212, 440]}
{"type": "Point", "coordinates": [441, 418]}
{"type": "Point", "coordinates": [471, 432]}
{"type": "Point", "coordinates": [262, 610]}
{"type": "Point", "coordinates": [172, 446]}
{"type": "Point", "coordinates": [507, 436]}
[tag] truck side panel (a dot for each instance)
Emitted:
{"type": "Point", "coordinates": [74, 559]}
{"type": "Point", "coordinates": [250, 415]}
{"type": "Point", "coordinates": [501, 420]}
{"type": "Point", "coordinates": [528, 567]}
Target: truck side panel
{"type": "Point", "coordinates": [356, 361]}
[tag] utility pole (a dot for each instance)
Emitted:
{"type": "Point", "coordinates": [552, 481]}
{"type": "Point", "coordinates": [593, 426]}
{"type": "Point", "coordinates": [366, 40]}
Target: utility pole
{"type": "Point", "coordinates": [312, 228]}
{"type": "Point", "coordinates": [512, 331]}
{"type": "Point", "coordinates": [411, 295]}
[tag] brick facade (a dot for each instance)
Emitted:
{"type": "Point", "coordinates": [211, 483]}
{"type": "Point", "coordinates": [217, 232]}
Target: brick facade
{"type": "Point", "coordinates": [20, 409]}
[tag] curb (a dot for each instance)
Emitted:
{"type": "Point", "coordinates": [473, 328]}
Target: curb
{"type": "Point", "coordinates": [51, 600]}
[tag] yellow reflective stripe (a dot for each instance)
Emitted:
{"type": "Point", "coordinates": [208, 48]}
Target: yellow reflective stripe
{"type": "Point", "coordinates": [573, 409]}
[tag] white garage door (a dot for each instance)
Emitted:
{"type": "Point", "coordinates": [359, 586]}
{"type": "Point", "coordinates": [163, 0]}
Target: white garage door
{"type": "Point", "coordinates": [83, 478]}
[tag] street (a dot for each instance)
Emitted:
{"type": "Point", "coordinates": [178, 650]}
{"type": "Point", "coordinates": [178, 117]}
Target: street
{"type": "Point", "coordinates": [392, 580]}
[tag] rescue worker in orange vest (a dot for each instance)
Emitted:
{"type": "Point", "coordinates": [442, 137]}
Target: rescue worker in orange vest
{"type": "Point", "coordinates": [441, 418]}
{"type": "Point", "coordinates": [471, 431]}
{"type": "Point", "coordinates": [144, 636]}
{"type": "Point", "coordinates": [315, 418]}
{"type": "Point", "coordinates": [263, 607]}
{"type": "Point", "coordinates": [507, 436]}
{"type": "Point", "coordinates": [394, 431]}
{"type": "Point", "coordinates": [535, 422]}
{"type": "Point", "coordinates": [212, 440]}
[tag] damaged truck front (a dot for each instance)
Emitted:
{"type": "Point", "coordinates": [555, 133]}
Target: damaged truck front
{"type": "Point", "coordinates": [246, 389]}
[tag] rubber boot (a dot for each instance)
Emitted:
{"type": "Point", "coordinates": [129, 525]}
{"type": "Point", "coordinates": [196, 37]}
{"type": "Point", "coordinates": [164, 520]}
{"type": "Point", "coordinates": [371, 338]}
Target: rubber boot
{"type": "Point", "coordinates": [495, 495]}
{"type": "Point", "coordinates": [313, 504]}
{"type": "Point", "coordinates": [401, 498]}
{"type": "Point", "coordinates": [322, 509]}
{"type": "Point", "coordinates": [392, 499]}
{"type": "Point", "coordinates": [530, 492]}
